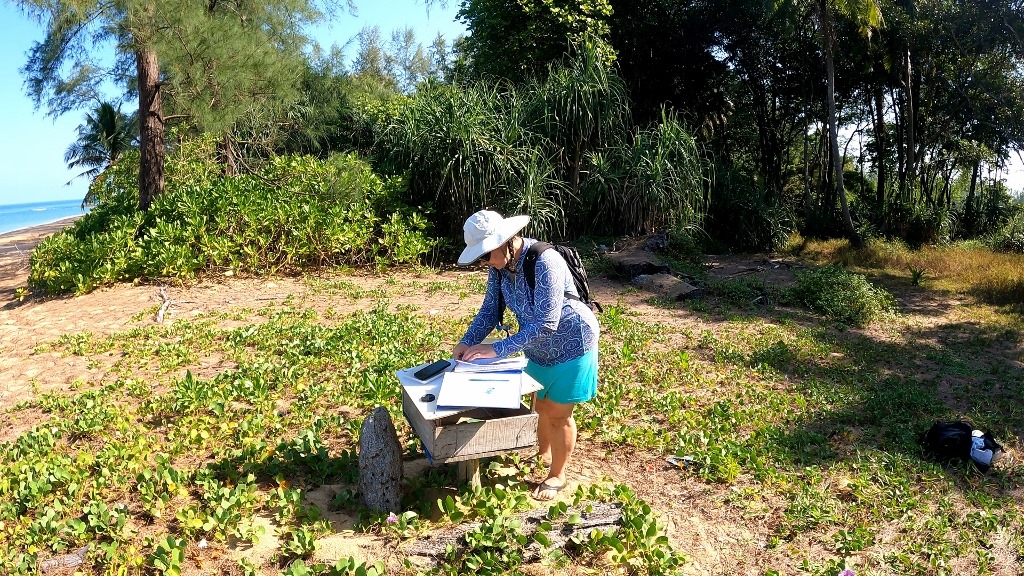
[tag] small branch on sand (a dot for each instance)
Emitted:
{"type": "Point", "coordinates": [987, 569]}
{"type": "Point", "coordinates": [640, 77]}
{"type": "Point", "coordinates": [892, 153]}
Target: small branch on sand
{"type": "Point", "coordinates": [163, 307]}
{"type": "Point", "coordinates": [56, 563]}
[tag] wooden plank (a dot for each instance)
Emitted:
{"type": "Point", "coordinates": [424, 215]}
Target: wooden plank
{"type": "Point", "coordinates": [495, 432]}
{"type": "Point", "coordinates": [487, 436]}
{"type": "Point", "coordinates": [525, 451]}
{"type": "Point", "coordinates": [469, 471]}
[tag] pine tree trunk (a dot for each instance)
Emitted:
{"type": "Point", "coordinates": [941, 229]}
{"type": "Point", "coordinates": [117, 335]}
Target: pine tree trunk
{"type": "Point", "coordinates": [228, 156]}
{"type": "Point", "coordinates": [151, 128]}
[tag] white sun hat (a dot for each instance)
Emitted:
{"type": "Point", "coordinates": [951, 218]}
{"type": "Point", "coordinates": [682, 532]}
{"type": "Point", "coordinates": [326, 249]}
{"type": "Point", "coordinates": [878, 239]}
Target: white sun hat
{"type": "Point", "coordinates": [486, 230]}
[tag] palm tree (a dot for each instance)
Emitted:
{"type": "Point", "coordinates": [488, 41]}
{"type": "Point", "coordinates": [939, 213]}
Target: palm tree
{"type": "Point", "coordinates": [106, 134]}
{"type": "Point", "coordinates": [868, 15]}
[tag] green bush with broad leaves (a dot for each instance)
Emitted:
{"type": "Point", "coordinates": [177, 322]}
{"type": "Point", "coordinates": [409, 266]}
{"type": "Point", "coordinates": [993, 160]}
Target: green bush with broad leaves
{"type": "Point", "coordinates": [841, 295]}
{"type": "Point", "coordinates": [295, 212]}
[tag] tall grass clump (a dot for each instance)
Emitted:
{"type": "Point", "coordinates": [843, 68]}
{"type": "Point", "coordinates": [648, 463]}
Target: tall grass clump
{"type": "Point", "coordinates": [659, 178]}
{"type": "Point", "coordinates": [296, 211]}
{"type": "Point", "coordinates": [965, 267]}
{"type": "Point", "coordinates": [1010, 237]}
{"type": "Point", "coordinates": [581, 106]}
{"type": "Point", "coordinates": [841, 295]}
{"type": "Point", "coordinates": [562, 149]}
{"type": "Point", "coordinates": [463, 148]}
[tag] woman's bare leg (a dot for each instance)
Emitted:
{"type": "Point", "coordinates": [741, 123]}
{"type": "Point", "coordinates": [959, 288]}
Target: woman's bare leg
{"type": "Point", "coordinates": [560, 439]}
{"type": "Point", "coordinates": [543, 435]}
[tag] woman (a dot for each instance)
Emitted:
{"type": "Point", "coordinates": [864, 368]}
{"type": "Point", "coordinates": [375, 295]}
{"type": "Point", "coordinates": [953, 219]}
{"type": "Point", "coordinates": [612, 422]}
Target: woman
{"type": "Point", "coordinates": [558, 334]}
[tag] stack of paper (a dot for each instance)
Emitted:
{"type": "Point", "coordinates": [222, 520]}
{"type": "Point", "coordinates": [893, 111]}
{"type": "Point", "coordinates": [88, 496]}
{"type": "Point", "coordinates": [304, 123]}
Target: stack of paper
{"type": "Point", "coordinates": [491, 365]}
{"type": "Point", "coordinates": [481, 389]}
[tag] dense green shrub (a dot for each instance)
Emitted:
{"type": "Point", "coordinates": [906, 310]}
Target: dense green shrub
{"type": "Point", "coordinates": [1010, 238]}
{"type": "Point", "coordinates": [741, 214]}
{"type": "Point", "coordinates": [297, 211]}
{"type": "Point", "coordinates": [841, 295]}
{"type": "Point", "coordinates": [916, 224]}
{"type": "Point", "coordinates": [562, 149]}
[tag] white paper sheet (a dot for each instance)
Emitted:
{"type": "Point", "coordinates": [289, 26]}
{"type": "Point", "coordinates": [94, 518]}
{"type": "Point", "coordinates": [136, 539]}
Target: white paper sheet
{"type": "Point", "coordinates": [417, 390]}
{"type": "Point", "coordinates": [515, 364]}
{"type": "Point", "coordinates": [484, 390]}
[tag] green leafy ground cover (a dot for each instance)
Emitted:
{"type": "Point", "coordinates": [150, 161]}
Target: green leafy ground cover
{"type": "Point", "coordinates": [799, 431]}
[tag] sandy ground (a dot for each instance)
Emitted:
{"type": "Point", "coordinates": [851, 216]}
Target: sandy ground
{"type": "Point", "coordinates": [16, 246]}
{"type": "Point", "coordinates": [700, 522]}
{"type": "Point", "coordinates": [25, 373]}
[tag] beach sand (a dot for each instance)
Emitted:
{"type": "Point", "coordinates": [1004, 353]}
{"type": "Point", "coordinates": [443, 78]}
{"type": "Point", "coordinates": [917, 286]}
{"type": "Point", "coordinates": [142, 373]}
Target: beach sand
{"type": "Point", "coordinates": [16, 247]}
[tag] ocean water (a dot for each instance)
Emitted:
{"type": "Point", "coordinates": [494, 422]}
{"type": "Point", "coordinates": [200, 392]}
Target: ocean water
{"type": "Point", "coordinates": [18, 216]}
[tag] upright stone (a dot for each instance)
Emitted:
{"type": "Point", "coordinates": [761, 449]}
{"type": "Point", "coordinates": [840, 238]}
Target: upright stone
{"type": "Point", "coordinates": [380, 463]}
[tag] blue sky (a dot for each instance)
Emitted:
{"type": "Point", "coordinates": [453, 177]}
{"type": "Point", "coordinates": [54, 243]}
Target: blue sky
{"type": "Point", "coordinates": [32, 165]}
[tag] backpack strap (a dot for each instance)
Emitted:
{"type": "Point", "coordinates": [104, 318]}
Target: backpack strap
{"type": "Point", "coordinates": [530, 273]}
{"type": "Point", "coordinates": [501, 308]}
{"type": "Point", "coordinates": [530, 265]}
{"type": "Point", "coordinates": [530, 269]}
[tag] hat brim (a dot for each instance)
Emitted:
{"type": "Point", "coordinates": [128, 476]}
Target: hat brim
{"type": "Point", "coordinates": [509, 228]}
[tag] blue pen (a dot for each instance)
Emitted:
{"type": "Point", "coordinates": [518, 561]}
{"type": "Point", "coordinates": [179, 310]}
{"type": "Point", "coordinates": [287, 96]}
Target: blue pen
{"type": "Point", "coordinates": [487, 380]}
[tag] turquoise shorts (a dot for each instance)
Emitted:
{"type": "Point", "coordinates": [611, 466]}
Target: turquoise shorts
{"type": "Point", "coordinates": [570, 382]}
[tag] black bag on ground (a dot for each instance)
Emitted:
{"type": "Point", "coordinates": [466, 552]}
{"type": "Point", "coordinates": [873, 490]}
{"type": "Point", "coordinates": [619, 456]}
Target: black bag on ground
{"type": "Point", "coordinates": [946, 441]}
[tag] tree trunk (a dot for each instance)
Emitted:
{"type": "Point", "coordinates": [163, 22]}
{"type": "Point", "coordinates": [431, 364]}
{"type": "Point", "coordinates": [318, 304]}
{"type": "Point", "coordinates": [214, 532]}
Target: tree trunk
{"type": "Point", "coordinates": [228, 156]}
{"type": "Point", "coordinates": [807, 173]}
{"type": "Point", "coordinates": [911, 147]}
{"type": "Point", "coordinates": [826, 191]}
{"type": "Point", "coordinates": [901, 153]}
{"type": "Point", "coordinates": [880, 148]}
{"type": "Point", "coordinates": [151, 128]}
{"type": "Point", "coordinates": [828, 37]}
{"type": "Point", "coordinates": [945, 186]}
{"type": "Point", "coordinates": [970, 214]}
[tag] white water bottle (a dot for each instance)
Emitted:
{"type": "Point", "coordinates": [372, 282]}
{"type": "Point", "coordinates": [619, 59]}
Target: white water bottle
{"type": "Point", "coordinates": [979, 453]}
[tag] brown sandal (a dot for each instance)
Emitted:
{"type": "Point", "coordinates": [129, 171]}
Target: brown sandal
{"type": "Point", "coordinates": [544, 487]}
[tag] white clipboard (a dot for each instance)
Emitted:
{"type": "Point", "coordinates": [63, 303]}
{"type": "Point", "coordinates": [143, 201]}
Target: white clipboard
{"type": "Point", "coordinates": [481, 390]}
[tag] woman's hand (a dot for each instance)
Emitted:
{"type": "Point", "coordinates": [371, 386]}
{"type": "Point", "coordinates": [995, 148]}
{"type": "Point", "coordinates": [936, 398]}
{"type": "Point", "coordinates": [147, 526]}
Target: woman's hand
{"type": "Point", "coordinates": [478, 351]}
{"type": "Point", "coordinates": [460, 351]}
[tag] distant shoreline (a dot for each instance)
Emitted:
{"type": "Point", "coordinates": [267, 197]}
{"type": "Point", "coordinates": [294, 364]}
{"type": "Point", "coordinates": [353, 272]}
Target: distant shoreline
{"type": "Point", "coordinates": [26, 238]}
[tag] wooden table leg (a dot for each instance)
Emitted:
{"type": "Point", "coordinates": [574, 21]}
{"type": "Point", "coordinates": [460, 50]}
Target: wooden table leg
{"type": "Point", "coordinates": [469, 470]}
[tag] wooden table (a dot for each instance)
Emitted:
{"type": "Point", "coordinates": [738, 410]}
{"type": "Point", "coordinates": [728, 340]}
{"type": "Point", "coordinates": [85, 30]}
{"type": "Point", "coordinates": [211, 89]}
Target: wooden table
{"type": "Point", "coordinates": [467, 434]}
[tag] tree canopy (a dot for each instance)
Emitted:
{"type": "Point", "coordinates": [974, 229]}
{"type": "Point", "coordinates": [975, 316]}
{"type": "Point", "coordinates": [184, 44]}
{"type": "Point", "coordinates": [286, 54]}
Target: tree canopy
{"type": "Point", "coordinates": [210, 61]}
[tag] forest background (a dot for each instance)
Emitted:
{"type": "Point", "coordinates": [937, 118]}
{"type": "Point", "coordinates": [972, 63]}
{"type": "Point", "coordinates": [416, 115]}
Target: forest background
{"type": "Point", "coordinates": [727, 125]}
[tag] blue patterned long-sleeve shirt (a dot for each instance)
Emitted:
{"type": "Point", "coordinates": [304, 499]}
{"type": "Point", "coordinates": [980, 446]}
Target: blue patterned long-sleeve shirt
{"type": "Point", "coordinates": [552, 328]}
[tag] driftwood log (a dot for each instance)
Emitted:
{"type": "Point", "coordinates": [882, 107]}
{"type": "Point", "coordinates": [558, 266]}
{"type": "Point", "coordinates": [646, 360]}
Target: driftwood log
{"type": "Point", "coordinates": [76, 558]}
{"type": "Point", "coordinates": [603, 516]}
{"type": "Point", "coordinates": [163, 307]}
